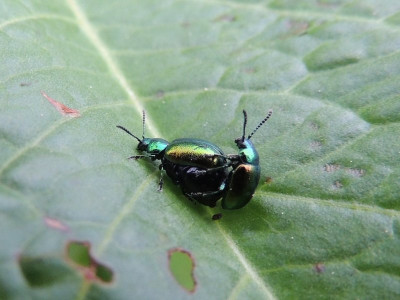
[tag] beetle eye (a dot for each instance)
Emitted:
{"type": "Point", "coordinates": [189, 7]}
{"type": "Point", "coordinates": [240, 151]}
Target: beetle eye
{"type": "Point", "coordinates": [240, 143]}
{"type": "Point", "coordinates": [141, 146]}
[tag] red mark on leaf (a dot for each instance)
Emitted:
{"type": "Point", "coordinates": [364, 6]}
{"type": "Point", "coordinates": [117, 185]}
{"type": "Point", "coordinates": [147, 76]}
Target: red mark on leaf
{"type": "Point", "coordinates": [319, 268]}
{"type": "Point", "coordinates": [79, 254]}
{"type": "Point", "coordinates": [56, 224]}
{"type": "Point", "coordinates": [89, 274]}
{"type": "Point", "coordinates": [65, 110]}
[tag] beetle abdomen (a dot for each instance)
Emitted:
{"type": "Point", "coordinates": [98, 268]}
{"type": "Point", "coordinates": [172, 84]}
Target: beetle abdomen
{"type": "Point", "coordinates": [205, 186]}
{"type": "Point", "coordinates": [243, 182]}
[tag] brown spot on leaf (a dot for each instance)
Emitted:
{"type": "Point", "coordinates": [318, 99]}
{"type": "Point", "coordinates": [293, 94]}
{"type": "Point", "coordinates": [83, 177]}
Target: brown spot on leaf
{"type": "Point", "coordinates": [319, 268]}
{"type": "Point", "coordinates": [337, 184]}
{"type": "Point", "coordinates": [249, 70]}
{"type": "Point", "coordinates": [315, 145]}
{"type": "Point", "coordinates": [181, 265]}
{"type": "Point", "coordinates": [268, 179]}
{"type": "Point", "coordinates": [331, 168]}
{"type": "Point", "coordinates": [356, 172]}
{"type": "Point", "coordinates": [314, 126]}
{"type": "Point", "coordinates": [160, 94]}
{"type": "Point", "coordinates": [55, 224]}
{"type": "Point", "coordinates": [89, 274]}
{"type": "Point", "coordinates": [185, 24]}
{"type": "Point", "coordinates": [78, 253]}
{"type": "Point", "coordinates": [298, 27]}
{"type": "Point", "coordinates": [217, 216]}
{"type": "Point", "coordinates": [65, 110]}
{"type": "Point", "coordinates": [225, 18]}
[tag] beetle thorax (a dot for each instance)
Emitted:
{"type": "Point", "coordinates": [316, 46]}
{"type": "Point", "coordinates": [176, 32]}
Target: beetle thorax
{"type": "Point", "coordinates": [247, 151]}
{"type": "Point", "coordinates": [152, 145]}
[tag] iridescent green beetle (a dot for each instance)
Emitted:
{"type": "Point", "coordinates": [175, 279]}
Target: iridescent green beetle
{"type": "Point", "coordinates": [244, 178]}
{"type": "Point", "coordinates": [204, 173]}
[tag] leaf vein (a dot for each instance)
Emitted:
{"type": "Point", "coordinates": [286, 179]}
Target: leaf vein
{"type": "Point", "coordinates": [105, 53]}
{"type": "Point", "coordinates": [35, 17]}
{"type": "Point", "coordinates": [250, 269]}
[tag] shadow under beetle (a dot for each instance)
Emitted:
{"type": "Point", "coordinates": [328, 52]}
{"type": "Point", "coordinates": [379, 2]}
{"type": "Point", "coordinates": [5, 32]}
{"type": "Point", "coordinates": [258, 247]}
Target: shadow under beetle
{"type": "Point", "coordinates": [203, 172]}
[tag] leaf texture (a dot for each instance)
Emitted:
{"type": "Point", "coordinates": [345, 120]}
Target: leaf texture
{"type": "Point", "coordinates": [324, 221]}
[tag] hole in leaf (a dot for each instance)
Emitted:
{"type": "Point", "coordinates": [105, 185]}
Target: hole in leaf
{"type": "Point", "coordinates": [92, 270]}
{"type": "Point", "coordinates": [40, 271]}
{"type": "Point", "coordinates": [181, 264]}
{"type": "Point", "coordinates": [104, 273]}
{"type": "Point", "coordinates": [78, 252]}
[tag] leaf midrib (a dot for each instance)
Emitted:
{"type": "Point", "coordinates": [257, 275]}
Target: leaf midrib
{"type": "Point", "coordinates": [91, 34]}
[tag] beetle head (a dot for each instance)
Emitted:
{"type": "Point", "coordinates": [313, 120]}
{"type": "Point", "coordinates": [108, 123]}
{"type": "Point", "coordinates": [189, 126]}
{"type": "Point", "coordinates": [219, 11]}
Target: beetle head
{"type": "Point", "coordinates": [143, 144]}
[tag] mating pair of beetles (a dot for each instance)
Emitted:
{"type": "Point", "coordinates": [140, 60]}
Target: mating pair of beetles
{"type": "Point", "coordinates": [203, 171]}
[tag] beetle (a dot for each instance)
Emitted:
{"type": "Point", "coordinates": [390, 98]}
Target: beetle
{"type": "Point", "coordinates": [197, 166]}
{"type": "Point", "coordinates": [245, 175]}
{"type": "Point", "coordinates": [201, 169]}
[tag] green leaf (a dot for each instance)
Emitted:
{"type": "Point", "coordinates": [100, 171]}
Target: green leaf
{"type": "Point", "coordinates": [324, 221]}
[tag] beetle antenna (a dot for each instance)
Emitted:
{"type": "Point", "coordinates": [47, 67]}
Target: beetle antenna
{"type": "Point", "coordinates": [261, 123]}
{"type": "Point", "coordinates": [244, 124]}
{"type": "Point", "coordinates": [128, 132]}
{"type": "Point", "coordinates": [144, 120]}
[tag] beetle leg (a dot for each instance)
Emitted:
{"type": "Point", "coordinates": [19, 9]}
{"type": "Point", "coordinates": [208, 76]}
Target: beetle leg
{"type": "Point", "coordinates": [199, 173]}
{"type": "Point", "coordinates": [140, 156]}
{"type": "Point", "coordinates": [233, 157]}
{"type": "Point", "coordinates": [192, 196]}
{"type": "Point", "coordinates": [161, 183]}
{"type": "Point", "coordinates": [218, 168]}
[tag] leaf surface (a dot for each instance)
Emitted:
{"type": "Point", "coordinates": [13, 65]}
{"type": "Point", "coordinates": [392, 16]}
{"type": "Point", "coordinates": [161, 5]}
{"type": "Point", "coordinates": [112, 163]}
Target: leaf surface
{"type": "Point", "coordinates": [324, 221]}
